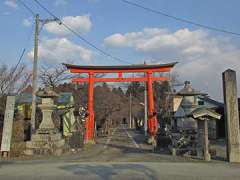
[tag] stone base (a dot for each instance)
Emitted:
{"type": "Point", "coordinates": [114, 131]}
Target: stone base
{"type": "Point", "coordinates": [90, 142]}
{"type": "Point", "coordinates": [43, 144]}
{"type": "Point", "coordinates": [174, 152]}
{"type": "Point", "coordinates": [234, 154]}
{"type": "Point", "coordinates": [207, 157]}
{"type": "Point", "coordinates": [47, 131]}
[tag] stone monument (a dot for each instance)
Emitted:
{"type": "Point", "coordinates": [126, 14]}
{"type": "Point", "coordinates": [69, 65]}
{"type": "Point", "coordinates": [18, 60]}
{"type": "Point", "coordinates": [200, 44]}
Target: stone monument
{"type": "Point", "coordinates": [231, 115]}
{"type": "Point", "coordinates": [7, 126]}
{"type": "Point", "coordinates": [47, 139]}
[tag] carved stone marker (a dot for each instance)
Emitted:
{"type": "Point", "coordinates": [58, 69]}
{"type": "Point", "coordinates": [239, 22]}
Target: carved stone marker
{"type": "Point", "coordinates": [231, 115]}
{"type": "Point", "coordinates": [7, 125]}
{"type": "Point", "coordinates": [203, 143]}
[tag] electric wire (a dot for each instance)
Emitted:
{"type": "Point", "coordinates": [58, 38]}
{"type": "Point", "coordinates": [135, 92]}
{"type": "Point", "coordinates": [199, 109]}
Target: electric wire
{"type": "Point", "coordinates": [180, 19]}
{"type": "Point", "coordinates": [21, 56]}
{"type": "Point", "coordinates": [80, 37]}
{"type": "Point", "coordinates": [24, 49]}
{"type": "Point", "coordinates": [26, 7]}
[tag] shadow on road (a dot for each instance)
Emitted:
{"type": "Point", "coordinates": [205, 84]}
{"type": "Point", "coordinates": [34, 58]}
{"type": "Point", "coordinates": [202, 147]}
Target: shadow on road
{"type": "Point", "coordinates": [106, 172]}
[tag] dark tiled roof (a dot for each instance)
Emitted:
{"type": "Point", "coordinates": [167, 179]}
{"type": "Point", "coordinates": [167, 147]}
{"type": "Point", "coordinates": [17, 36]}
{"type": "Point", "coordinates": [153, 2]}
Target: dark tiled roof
{"type": "Point", "coordinates": [211, 101]}
{"type": "Point", "coordinates": [64, 97]}
{"type": "Point", "coordinates": [26, 98]}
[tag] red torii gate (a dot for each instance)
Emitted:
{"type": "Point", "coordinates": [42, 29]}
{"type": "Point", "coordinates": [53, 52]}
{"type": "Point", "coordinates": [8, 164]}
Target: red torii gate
{"type": "Point", "coordinates": [148, 70]}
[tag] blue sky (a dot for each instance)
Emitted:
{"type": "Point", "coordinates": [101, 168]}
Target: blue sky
{"type": "Point", "coordinates": [131, 34]}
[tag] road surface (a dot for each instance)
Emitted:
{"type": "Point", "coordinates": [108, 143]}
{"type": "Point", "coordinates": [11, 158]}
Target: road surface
{"type": "Point", "coordinates": [122, 155]}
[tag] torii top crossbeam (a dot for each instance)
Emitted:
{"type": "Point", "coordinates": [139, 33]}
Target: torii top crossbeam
{"type": "Point", "coordinates": [142, 68]}
{"type": "Point", "coordinates": [121, 68]}
{"type": "Point", "coordinates": [148, 71]}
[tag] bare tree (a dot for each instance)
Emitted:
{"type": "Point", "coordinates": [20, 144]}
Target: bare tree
{"type": "Point", "coordinates": [175, 80]}
{"type": "Point", "coordinates": [53, 76]}
{"type": "Point", "coordinates": [13, 79]}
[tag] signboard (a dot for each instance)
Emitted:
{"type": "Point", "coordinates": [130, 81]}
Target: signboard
{"type": "Point", "coordinates": [7, 124]}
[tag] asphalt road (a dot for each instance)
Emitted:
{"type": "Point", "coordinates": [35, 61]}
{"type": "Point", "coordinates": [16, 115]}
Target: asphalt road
{"type": "Point", "coordinates": [122, 155]}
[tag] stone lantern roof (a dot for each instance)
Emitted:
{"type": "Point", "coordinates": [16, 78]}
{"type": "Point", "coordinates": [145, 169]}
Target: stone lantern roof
{"type": "Point", "coordinates": [199, 113]}
{"type": "Point", "coordinates": [47, 92]}
{"type": "Point", "coordinates": [188, 90]}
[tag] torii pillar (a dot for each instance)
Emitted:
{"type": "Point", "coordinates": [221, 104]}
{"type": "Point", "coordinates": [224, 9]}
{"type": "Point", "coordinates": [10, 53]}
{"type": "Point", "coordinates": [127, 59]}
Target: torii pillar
{"type": "Point", "coordinates": [152, 119]}
{"type": "Point", "coordinates": [90, 121]}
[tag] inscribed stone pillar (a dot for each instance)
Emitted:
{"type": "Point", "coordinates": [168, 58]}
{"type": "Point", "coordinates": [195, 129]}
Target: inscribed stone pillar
{"type": "Point", "coordinates": [207, 156]}
{"type": "Point", "coordinates": [200, 139]}
{"type": "Point", "coordinates": [231, 115]}
{"type": "Point", "coordinates": [203, 142]}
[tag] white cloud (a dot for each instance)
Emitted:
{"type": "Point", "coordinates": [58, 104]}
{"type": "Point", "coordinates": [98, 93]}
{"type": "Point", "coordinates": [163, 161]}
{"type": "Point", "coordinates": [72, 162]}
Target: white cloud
{"type": "Point", "coordinates": [154, 39]}
{"type": "Point", "coordinates": [61, 50]}
{"type": "Point", "coordinates": [116, 40]}
{"type": "Point", "coordinates": [202, 57]}
{"type": "Point", "coordinates": [11, 3]}
{"type": "Point", "coordinates": [27, 22]}
{"type": "Point", "coordinates": [80, 24]}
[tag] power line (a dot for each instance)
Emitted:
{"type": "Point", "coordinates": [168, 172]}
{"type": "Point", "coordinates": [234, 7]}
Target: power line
{"type": "Point", "coordinates": [24, 49]}
{"type": "Point", "coordinates": [27, 7]}
{"type": "Point", "coordinates": [80, 37]}
{"type": "Point", "coordinates": [180, 19]}
{"type": "Point", "coordinates": [19, 60]}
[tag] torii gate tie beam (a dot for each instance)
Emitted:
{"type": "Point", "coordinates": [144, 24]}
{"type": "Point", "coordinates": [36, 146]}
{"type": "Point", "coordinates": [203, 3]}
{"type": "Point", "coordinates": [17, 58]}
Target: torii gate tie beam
{"type": "Point", "coordinates": [148, 70]}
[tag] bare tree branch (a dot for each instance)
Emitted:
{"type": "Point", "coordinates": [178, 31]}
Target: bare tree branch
{"type": "Point", "coordinates": [13, 80]}
{"type": "Point", "coordinates": [53, 76]}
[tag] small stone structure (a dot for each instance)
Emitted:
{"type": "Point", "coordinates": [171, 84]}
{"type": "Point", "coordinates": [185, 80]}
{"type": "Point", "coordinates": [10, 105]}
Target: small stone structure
{"type": "Point", "coordinates": [231, 115]}
{"type": "Point", "coordinates": [47, 139]}
{"type": "Point", "coordinates": [202, 116]}
{"type": "Point", "coordinates": [191, 135]}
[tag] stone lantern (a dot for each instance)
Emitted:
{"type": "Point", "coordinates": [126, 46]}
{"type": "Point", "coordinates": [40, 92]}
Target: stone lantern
{"type": "Point", "coordinates": [47, 139]}
{"type": "Point", "coordinates": [188, 104]}
{"type": "Point", "coordinates": [189, 101]}
{"type": "Point", "coordinates": [47, 107]}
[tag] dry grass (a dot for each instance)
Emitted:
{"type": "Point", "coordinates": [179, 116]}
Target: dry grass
{"type": "Point", "coordinates": [18, 144]}
{"type": "Point", "coordinates": [17, 149]}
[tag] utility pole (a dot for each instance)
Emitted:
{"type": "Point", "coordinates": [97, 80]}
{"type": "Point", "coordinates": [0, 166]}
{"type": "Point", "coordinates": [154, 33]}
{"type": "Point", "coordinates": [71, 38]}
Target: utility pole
{"type": "Point", "coordinates": [145, 108]}
{"type": "Point", "coordinates": [130, 110]}
{"type": "Point", "coordinates": [35, 66]}
{"type": "Point", "coordinates": [34, 74]}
